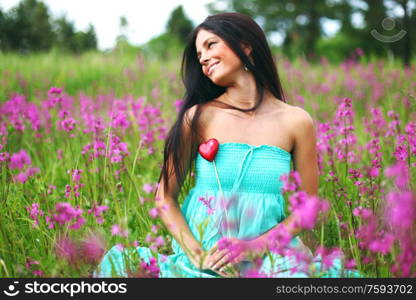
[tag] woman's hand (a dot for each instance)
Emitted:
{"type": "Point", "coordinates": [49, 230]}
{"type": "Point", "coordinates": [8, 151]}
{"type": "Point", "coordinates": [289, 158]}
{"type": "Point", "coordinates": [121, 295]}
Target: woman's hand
{"type": "Point", "coordinates": [203, 260]}
{"type": "Point", "coordinates": [198, 258]}
{"type": "Point", "coordinates": [224, 261]}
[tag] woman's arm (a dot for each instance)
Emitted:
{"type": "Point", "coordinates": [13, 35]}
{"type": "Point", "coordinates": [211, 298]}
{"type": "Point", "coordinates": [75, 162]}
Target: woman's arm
{"type": "Point", "coordinates": [168, 208]}
{"type": "Point", "coordinates": [171, 215]}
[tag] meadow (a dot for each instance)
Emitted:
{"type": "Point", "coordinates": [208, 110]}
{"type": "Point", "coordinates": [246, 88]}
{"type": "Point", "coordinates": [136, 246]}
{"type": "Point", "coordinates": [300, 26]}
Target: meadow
{"type": "Point", "coordinates": [81, 141]}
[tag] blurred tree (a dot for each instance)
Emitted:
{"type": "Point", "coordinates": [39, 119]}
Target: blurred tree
{"type": "Point", "coordinates": [122, 42]}
{"type": "Point", "coordinates": [65, 35]}
{"type": "Point", "coordinates": [343, 12]}
{"type": "Point", "coordinates": [123, 28]}
{"type": "Point", "coordinates": [87, 40]}
{"type": "Point", "coordinates": [393, 33]}
{"type": "Point", "coordinates": [8, 41]}
{"type": "Point", "coordinates": [9, 37]}
{"type": "Point", "coordinates": [408, 27]}
{"type": "Point", "coordinates": [413, 26]}
{"type": "Point", "coordinates": [27, 27]}
{"type": "Point", "coordinates": [299, 22]}
{"type": "Point", "coordinates": [69, 40]}
{"type": "Point", "coordinates": [169, 44]}
{"type": "Point", "coordinates": [123, 22]}
{"type": "Point", "coordinates": [2, 31]}
{"type": "Point", "coordinates": [374, 13]}
{"type": "Point", "coordinates": [179, 24]}
{"type": "Point", "coordinates": [163, 47]}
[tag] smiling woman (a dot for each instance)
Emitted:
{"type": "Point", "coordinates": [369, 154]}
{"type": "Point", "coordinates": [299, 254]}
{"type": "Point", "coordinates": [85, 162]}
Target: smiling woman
{"type": "Point", "coordinates": [227, 64]}
{"type": "Point", "coordinates": [216, 55]}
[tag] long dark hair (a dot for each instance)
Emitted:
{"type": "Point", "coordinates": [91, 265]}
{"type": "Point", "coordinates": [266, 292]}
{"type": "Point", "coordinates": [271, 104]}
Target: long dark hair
{"type": "Point", "coordinates": [235, 29]}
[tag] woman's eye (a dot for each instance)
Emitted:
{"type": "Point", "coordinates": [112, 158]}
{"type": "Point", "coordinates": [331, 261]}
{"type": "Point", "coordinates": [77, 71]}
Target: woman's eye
{"type": "Point", "coordinates": [209, 46]}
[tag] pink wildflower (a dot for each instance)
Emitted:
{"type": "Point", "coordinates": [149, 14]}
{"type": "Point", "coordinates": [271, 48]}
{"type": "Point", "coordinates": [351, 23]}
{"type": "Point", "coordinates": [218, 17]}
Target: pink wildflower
{"type": "Point", "coordinates": [19, 160]}
{"type": "Point", "coordinates": [148, 188]}
{"type": "Point", "coordinates": [153, 213]}
{"type": "Point", "coordinates": [68, 124]}
{"type": "Point", "coordinates": [55, 90]}
{"type": "Point", "coordinates": [117, 230]}
{"type": "Point", "coordinates": [92, 248]}
{"type": "Point", "coordinates": [97, 211]}
{"type": "Point", "coordinates": [66, 249]}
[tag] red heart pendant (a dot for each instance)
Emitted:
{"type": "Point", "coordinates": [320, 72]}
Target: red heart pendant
{"type": "Point", "coordinates": [209, 149]}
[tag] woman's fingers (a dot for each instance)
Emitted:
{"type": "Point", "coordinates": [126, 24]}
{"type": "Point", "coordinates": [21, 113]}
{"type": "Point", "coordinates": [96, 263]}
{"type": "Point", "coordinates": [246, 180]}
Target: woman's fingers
{"type": "Point", "coordinates": [238, 259]}
{"type": "Point", "coordinates": [213, 249]}
{"type": "Point", "coordinates": [227, 264]}
{"type": "Point", "coordinates": [210, 257]}
{"type": "Point", "coordinates": [221, 262]}
{"type": "Point", "coordinates": [217, 259]}
{"type": "Point", "coordinates": [214, 258]}
{"type": "Point", "coordinates": [228, 270]}
{"type": "Point", "coordinates": [223, 272]}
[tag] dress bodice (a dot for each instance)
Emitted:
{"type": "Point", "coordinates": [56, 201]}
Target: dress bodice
{"type": "Point", "coordinates": [243, 168]}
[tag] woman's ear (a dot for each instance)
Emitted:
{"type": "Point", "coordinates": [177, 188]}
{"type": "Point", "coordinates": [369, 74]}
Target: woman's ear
{"type": "Point", "coordinates": [246, 48]}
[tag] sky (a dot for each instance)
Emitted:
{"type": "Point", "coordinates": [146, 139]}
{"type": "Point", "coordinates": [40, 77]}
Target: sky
{"type": "Point", "coordinates": [146, 19]}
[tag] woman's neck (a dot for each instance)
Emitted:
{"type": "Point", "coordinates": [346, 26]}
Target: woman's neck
{"type": "Point", "coordinates": [242, 93]}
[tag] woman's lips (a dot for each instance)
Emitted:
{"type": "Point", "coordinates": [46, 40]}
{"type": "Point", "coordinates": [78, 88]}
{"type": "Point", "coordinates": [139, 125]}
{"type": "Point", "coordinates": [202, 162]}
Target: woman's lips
{"type": "Point", "coordinates": [211, 69]}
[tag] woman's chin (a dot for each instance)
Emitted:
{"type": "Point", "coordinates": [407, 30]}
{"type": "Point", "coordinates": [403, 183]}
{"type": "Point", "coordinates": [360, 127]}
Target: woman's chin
{"type": "Point", "coordinates": [220, 81]}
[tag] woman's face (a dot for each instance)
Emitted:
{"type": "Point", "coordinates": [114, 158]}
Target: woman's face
{"type": "Point", "coordinates": [219, 63]}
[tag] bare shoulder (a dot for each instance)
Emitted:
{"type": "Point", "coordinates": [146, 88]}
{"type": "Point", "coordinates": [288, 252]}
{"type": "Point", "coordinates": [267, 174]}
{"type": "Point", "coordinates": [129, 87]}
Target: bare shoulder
{"type": "Point", "coordinates": [299, 116]}
{"type": "Point", "coordinates": [203, 107]}
{"type": "Point", "coordinates": [190, 112]}
{"type": "Point", "coordinates": [202, 120]}
{"type": "Point", "coordinates": [187, 120]}
{"type": "Point", "coordinates": [302, 127]}
{"type": "Point", "coordinates": [206, 112]}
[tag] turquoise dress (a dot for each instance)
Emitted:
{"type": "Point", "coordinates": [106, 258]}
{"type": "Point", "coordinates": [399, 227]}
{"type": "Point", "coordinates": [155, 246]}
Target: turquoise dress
{"type": "Point", "coordinates": [248, 177]}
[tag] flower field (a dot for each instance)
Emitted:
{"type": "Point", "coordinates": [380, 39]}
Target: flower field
{"type": "Point", "coordinates": [81, 142]}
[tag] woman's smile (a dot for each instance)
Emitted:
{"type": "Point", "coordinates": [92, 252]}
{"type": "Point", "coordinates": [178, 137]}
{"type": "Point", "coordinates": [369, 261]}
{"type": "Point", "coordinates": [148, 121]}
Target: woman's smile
{"type": "Point", "coordinates": [212, 67]}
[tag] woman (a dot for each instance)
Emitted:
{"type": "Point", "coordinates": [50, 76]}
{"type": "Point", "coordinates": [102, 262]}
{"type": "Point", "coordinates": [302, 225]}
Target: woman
{"type": "Point", "coordinates": [234, 95]}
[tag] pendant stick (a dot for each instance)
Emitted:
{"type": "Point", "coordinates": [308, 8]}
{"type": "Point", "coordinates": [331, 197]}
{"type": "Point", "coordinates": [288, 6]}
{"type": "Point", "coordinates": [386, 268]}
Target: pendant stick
{"type": "Point", "coordinates": [223, 198]}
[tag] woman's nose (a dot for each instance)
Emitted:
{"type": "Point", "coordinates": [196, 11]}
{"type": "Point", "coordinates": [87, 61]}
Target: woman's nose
{"type": "Point", "coordinates": [203, 60]}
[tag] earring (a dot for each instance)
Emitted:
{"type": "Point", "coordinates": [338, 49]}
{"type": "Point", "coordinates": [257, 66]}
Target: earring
{"type": "Point", "coordinates": [251, 60]}
{"type": "Point", "coordinates": [245, 67]}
